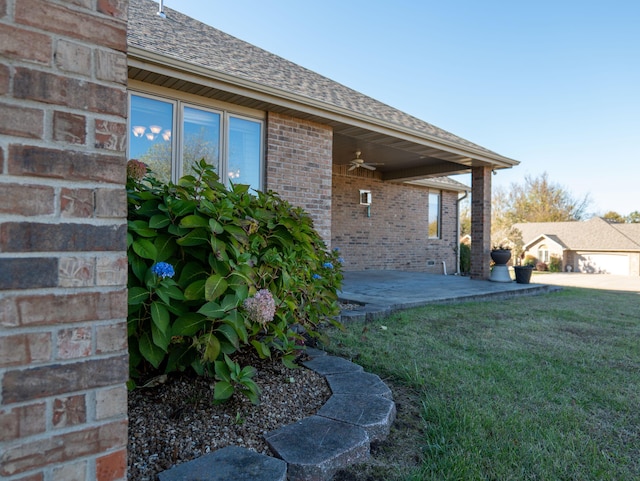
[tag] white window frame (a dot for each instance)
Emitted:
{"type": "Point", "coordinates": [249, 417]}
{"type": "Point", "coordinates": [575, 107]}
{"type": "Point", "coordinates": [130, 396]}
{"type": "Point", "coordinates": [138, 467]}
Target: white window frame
{"type": "Point", "coordinates": [177, 138]}
{"type": "Point", "coordinates": [438, 195]}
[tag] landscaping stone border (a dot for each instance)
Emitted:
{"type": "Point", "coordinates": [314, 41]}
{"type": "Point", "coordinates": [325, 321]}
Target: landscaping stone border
{"type": "Point", "coordinates": [360, 410]}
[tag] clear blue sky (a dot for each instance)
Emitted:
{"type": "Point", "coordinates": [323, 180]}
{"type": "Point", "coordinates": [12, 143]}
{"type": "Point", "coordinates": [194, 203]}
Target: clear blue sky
{"type": "Point", "coordinates": [554, 84]}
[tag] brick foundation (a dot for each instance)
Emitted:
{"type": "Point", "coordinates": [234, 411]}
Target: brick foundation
{"type": "Point", "coordinates": [63, 298]}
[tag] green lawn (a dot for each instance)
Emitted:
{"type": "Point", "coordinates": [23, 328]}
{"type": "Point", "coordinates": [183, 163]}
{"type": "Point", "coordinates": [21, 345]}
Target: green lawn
{"type": "Point", "coordinates": [531, 388]}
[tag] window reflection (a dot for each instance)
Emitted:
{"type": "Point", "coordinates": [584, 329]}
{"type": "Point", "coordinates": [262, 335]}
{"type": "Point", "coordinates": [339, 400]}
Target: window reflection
{"type": "Point", "coordinates": [244, 152]}
{"type": "Point", "coordinates": [151, 127]}
{"type": "Point", "coordinates": [201, 138]}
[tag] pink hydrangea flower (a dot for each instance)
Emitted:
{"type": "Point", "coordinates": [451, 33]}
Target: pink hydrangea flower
{"type": "Point", "coordinates": [261, 308]}
{"type": "Point", "coordinates": [136, 170]}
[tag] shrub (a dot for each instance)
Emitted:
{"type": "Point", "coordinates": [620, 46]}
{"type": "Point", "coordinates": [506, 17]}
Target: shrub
{"type": "Point", "coordinates": [541, 266]}
{"type": "Point", "coordinates": [530, 260]}
{"type": "Point", "coordinates": [465, 258]}
{"type": "Point", "coordinates": [214, 272]}
{"type": "Point", "coordinates": [555, 264]}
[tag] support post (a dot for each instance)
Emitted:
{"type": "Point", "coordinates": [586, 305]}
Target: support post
{"type": "Point", "coordinates": [480, 222]}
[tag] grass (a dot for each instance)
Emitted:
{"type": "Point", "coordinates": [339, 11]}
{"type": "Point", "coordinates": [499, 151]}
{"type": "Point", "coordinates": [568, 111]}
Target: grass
{"type": "Point", "coordinates": [531, 388]}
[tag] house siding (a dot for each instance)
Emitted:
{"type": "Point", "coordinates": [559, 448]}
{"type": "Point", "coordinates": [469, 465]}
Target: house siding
{"type": "Point", "coordinates": [395, 236]}
{"type": "Point", "coordinates": [298, 167]}
{"type": "Point", "coordinates": [63, 297]}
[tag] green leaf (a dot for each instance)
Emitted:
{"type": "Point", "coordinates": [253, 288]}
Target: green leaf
{"type": "Point", "coordinates": [192, 221]}
{"type": "Point", "coordinates": [194, 238]}
{"type": "Point", "coordinates": [145, 249]}
{"type": "Point", "coordinates": [289, 361]}
{"type": "Point", "coordinates": [180, 358]}
{"type": "Point", "coordinates": [261, 348]}
{"type": "Point", "coordinates": [211, 347]}
{"type": "Point", "coordinates": [160, 316]}
{"type": "Point", "coordinates": [159, 221]}
{"type": "Point", "coordinates": [141, 228]}
{"type": "Point", "coordinates": [212, 310]}
{"type": "Point", "coordinates": [222, 371]}
{"type": "Point", "coordinates": [253, 396]}
{"type": "Point", "coordinates": [138, 266]}
{"type": "Point", "coordinates": [230, 333]}
{"type": "Point", "coordinates": [191, 272]}
{"type": "Point", "coordinates": [236, 321]}
{"type": "Point", "coordinates": [160, 338]}
{"type": "Point", "coordinates": [150, 351]}
{"type": "Point", "coordinates": [214, 287]}
{"type": "Point", "coordinates": [215, 226]}
{"type": "Point", "coordinates": [222, 391]}
{"type": "Point", "coordinates": [137, 295]}
{"type": "Point", "coordinates": [166, 247]}
{"type": "Point", "coordinates": [195, 291]}
{"type": "Point", "coordinates": [188, 325]}
{"type": "Point", "coordinates": [180, 208]}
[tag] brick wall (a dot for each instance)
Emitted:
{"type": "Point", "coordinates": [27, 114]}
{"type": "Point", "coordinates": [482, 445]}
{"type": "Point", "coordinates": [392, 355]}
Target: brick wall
{"type": "Point", "coordinates": [63, 266]}
{"type": "Point", "coordinates": [299, 156]}
{"type": "Point", "coordinates": [396, 234]}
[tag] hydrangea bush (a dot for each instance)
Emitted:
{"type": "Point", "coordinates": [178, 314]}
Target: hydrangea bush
{"type": "Point", "coordinates": [214, 271]}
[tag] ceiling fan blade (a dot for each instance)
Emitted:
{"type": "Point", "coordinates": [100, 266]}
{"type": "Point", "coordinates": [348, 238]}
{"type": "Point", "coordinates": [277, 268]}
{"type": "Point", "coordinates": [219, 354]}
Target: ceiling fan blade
{"type": "Point", "coordinates": [368, 167]}
{"type": "Point", "coordinates": [353, 167]}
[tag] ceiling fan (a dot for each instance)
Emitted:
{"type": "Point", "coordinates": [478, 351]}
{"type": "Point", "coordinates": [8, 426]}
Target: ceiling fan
{"type": "Point", "coordinates": [358, 162]}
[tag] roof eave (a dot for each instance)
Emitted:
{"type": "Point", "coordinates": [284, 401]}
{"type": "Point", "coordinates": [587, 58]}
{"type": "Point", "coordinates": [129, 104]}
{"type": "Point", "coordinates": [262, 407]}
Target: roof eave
{"type": "Point", "coordinates": [141, 58]}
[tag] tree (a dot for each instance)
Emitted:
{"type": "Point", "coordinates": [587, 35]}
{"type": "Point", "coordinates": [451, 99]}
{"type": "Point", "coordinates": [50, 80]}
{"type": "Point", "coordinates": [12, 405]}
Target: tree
{"type": "Point", "coordinates": [613, 217]}
{"type": "Point", "coordinates": [538, 200]}
{"type": "Point", "coordinates": [633, 218]}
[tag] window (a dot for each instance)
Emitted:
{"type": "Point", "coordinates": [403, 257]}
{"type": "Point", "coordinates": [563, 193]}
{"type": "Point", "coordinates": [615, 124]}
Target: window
{"type": "Point", "coordinates": [171, 135]}
{"type": "Point", "coordinates": [543, 253]}
{"type": "Point", "coordinates": [434, 215]}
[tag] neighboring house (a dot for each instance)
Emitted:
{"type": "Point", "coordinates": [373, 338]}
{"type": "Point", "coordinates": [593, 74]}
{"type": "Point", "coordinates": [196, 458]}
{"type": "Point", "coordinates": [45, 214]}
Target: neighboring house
{"type": "Point", "coordinates": [195, 92]}
{"type": "Point", "coordinates": [593, 246]}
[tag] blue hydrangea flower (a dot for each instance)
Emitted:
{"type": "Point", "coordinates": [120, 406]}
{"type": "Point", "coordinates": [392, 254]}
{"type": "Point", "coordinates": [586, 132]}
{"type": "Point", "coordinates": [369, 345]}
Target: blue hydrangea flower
{"type": "Point", "coordinates": [162, 270]}
{"type": "Point", "coordinates": [340, 260]}
{"type": "Point", "coordinates": [327, 265]}
{"type": "Point", "coordinates": [317, 276]}
{"type": "Point", "coordinates": [336, 249]}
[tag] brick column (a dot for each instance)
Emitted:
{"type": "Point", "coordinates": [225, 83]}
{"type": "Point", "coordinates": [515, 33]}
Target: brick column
{"type": "Point", "coordinates": [299, 166]}
{"type": "Point", "coordinates": [480, 222]}
{"type": "Point", "coordinates": [63, 265]}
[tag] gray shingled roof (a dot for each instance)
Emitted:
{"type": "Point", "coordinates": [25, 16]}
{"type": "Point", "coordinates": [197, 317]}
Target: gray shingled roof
{"type": "Point", "coordinates": [594, 234]}
{"type": "Point", "coordinates": [185, 39]}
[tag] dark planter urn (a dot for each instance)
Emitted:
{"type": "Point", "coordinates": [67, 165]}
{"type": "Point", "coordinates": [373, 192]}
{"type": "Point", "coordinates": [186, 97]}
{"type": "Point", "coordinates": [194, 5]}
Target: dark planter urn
{"type": "Point", "coordinates": [523, 274]}
{"type": "Point", "coordinates": [500, 256]}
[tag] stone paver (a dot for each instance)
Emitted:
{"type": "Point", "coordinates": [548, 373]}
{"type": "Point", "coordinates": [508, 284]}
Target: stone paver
{"type": "Point", "coordinates": [316, 447]}
{"type": "Point", "coordinates": [374, 414]}
{"type": "Point", "coordinates": [358, 383]}
{"type": "Point", "coordinates": [325, 365]}
{"type": "Point", "coordinates": [232, 463]}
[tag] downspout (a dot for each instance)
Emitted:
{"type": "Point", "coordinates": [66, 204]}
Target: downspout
{"type": "Point", "coordinates": [460, 199]}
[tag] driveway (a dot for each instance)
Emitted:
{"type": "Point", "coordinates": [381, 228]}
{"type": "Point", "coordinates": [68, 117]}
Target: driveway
{"type": "Point", "coordinates": [607, 282]}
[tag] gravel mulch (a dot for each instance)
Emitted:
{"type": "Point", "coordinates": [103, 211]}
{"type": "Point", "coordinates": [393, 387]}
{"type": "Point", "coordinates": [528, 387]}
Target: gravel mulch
{"type": "Point", "coordinates": [177, 420]}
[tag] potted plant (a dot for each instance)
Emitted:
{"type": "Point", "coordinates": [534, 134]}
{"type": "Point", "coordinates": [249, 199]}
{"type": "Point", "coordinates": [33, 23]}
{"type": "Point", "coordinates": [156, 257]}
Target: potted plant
{"type": "Point", "coordinates": [500, 254]}
{"type": "Point", "coordinates": [523, 272]}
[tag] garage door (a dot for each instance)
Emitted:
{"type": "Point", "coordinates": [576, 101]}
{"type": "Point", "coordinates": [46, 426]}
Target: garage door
{"type": "Point", "coordinates": [604, 264]}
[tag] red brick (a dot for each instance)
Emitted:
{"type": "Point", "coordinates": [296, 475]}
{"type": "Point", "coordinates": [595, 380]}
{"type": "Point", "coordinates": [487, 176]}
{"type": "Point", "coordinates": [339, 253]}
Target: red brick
{"type": "Point", "coordinates": [57, 379]}
{"type": "Point", "coordinates": [66, 164]}
{"type": "Point", "coordinates": [70, 128]}
{"type": "Point", "coordinates": [4, 79]}
{"type": "Point", "coordinates": [23, 421]}
{"type": "Point", "coordinates": [57, 18]}
{"type": "Point", "coordinates": [111, 338]}
{"type": "Point", "coordinates": [71, 472]}
{"type": "Point", "coordinates": [113, 8]}
{"type": "Point", "coordinates": [112, 466]}
{"type": "Point", "coordinates": [111, 135]}
{"type": "Point", "coordinates": [28, 272]}
{"type": "Point", "coordinates": [74, 93]}
{"type": "Point", "coordinates": [3, 8]}
{"type": "Point", "coordinates": [73, 57]}
{"type": "Point", "coordinates": [77, 272]}
{"type": "Point", "coordinates": [22, 44]}
{"type": "Point", "coordinates": [74, 343]}
{"type": "Point", "coordinates": [77, 203]}
{"type": "Point", "coordinates": [111, 66]}
{"type": "Point", "coordinates": [63, 447]}
{"type": "Point", "coordinates": [111, 403]}
{"type": "Point", "coordinates": [21, 121]}
{"type": "Point", "coordinates": [27, 200]}
{"type": "Point", "coordinates": [69, 411]}
{"type": "Point", "coordinates": [36, 237]}
{"type": "Point", "coordinates": [111, 271]}
{"type": "Point", "coordinates": [111, 203]}
{"type": "Point", "coordinates": [34, 310]}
